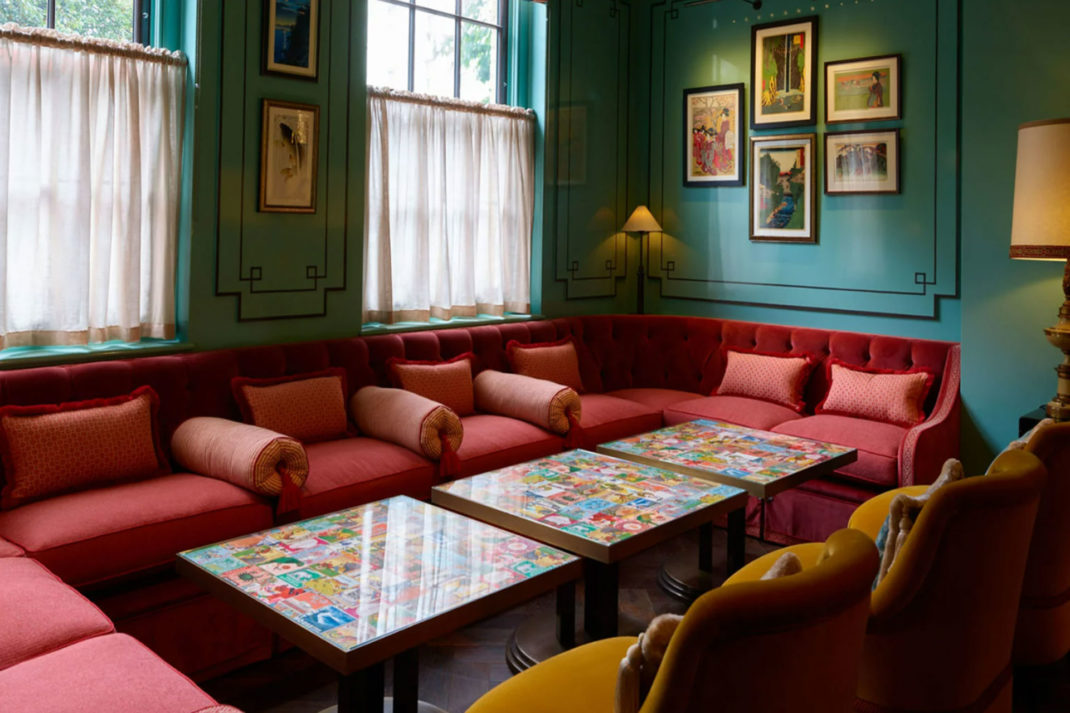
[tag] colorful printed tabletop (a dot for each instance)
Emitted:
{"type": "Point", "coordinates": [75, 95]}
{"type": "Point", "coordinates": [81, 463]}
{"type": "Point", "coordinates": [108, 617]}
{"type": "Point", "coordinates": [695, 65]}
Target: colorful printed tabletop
{"type": "Point", "coordinates": [357, 575]}
{"type": "Point", "coordinates": [597, 498]}
{"type": "Point", "coordinates": [759, 461]}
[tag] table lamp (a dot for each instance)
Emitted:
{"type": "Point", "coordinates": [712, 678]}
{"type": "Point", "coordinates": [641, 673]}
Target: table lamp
{"type": "Point", "coordinates": [1041, 225]}
{"type": "Point", "coordinates": [642, 222]}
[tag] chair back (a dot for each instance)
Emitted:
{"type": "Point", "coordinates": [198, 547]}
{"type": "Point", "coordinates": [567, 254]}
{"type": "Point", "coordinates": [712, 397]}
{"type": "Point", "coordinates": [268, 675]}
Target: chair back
{"type": "Point", "coordinates": [942, 622]}
{"type": "Point", "coordinates": [1043, 632]}
{"type": "Point", "coordinates": [787, 644]}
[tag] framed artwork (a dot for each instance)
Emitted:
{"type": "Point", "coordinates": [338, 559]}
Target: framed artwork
{"type": "Point", "coordinates": [862, 162]}
{"type": "Point", "coordinates": [291, 37]}
{"type": "Point", "coordinates": [289, 146]}
{"type": "Point", "coordinates": [713, 135]}
{"type": "Point", "coordinates": [782, 75]}
{"type": "Point", "coordinates": [862, 90]}
{"type": "Point", "coordinates": [782, 188]}
{"type": "Point", "coordinates": [571, 127]}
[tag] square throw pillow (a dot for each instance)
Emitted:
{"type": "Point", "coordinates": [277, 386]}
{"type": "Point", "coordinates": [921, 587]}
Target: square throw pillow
{"type": "Point", "coordinates": [448, 382]}
{"type": "Point", "coordinates": [51, 449]}
{"type": "Point", "coordinates": [309, 407]}
{"type": "Point", "coordinates": [777, 378]}
{"type": "Point", "coordinates": [896, 397]}
{"type": "Point", "coordinates": [553, 361]}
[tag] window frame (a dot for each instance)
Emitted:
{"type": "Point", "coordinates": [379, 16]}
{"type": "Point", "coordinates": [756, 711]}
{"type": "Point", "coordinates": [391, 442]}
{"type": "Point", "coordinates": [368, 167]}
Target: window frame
{"type": "Point", "coordinates": [502, 28]}
{"type": "Point", "coordinates": [139, 19]}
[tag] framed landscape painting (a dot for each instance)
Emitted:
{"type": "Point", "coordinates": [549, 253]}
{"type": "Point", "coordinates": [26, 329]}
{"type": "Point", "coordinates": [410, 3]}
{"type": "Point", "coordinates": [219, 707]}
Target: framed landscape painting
{"type": "Point", "coordinates": [862, 162]}
{"type": "Point", "coordinates": [862, 90]}
{"type": "Point", "coordinates": [288, 157]}
{"type": "Point", "coordinates": [291, 37]}
{"type": "Point", "coordinates": [782, 188]}
{"type": "Point", "coordinates": [713, 135]}
{"type": "Point", "coordinates": [782, 74]}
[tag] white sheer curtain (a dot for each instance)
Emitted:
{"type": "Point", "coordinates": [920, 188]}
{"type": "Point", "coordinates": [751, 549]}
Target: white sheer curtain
{"type": "Point", "coordinates": [90, 151]}
{"type": "Point", "coordinates": [450, 198]}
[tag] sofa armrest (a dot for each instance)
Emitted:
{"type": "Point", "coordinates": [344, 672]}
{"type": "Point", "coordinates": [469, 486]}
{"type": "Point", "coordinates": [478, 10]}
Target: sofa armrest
{"type": "Point", "coordinates": [410, 420]}
{"type": "Point", "coordinates": [542, 403]}
{"type": "Point", "coordinates": [254, 458]}
{"type": "Point", "coordinates": [10, 549]}
{"type": "Point", "coordinates": [930, 443]}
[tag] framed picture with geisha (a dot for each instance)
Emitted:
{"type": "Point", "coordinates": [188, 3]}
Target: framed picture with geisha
{"type": "Point", "coordinates": [713, 136]}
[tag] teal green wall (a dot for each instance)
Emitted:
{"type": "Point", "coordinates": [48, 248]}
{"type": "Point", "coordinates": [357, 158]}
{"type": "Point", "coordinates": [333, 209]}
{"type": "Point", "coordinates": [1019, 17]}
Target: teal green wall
{"type": "Point", "coordinates": [1014, 59]}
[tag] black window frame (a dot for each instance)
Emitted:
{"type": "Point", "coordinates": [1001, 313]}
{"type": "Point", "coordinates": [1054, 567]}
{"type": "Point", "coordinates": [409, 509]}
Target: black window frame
{"type": "Point", "coordinates": [501, 28]}
{"type": "Point", "coordinates": [139, 19]}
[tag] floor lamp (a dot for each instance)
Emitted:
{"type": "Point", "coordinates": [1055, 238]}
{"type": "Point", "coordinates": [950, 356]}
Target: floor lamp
{"type": "Point", "coordinates": [642, 222]}
{"type": "Point", "coordinates": [1041, 226]}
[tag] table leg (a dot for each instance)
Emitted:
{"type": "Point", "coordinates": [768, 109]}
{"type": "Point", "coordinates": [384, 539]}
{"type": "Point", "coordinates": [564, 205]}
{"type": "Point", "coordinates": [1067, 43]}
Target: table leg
{"type": "Point", "coordinates": [600, 599]}
{"type": "Point", "coordinates": [566, 615]}
{"type": "Point", "coordinates": [705, 546]}
{"type": "Point", "coordinates": [406, 681]}
{"type": "Point", "coordinates": [362, 692]}
{"type": "Point", "coordinates": [735, 550]}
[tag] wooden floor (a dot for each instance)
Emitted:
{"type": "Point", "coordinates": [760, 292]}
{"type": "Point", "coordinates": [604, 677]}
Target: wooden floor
{"type": "Point", "coordinates": [457, 669]}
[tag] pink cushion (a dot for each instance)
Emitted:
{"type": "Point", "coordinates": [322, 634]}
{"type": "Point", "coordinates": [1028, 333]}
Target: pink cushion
{"type": "Point", "coordinates": [254, 458]}
{"type": "Point", "coordinates": [778, 379]}
{"type": "Point", "coordinates": [51, 449]}
{"type": "Point", "coordinates": [751, 413]}
{"type": "Point", "coordinates": [539, 402]}
{"type": "Point", "coordinates": [101, 534]}
{"type": "Point", "coordinates": [309, 407]}
{"type": "Point", "coordinates": [41, 613]}
{"type": "Point", "coordinates": [879, 395]}
{"type": "Point", "coordinates": [447, 382]}
{"type": "Point", "coordinates": [552, 361]}
{"type": "Point", "coordinates": [877, 443]}
{"type": "Point", "coordinates": [657, 399]}
{"type": "Point", "coordinates": [351, 471]}
{"type": "Point", "coordinates": [10, 549]}
{"type": "Point", "coordinates": [113, 673]}
{"type": "Point", "coordinates": [607, 418]}
{"type": "Point", "coordinates": [407, 419]}
{"type": "Point", "coordinates": [492, 442]}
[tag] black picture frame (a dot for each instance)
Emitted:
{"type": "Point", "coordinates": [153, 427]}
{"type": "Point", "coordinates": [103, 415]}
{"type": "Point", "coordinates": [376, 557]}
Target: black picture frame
{"type": "Point", "coordinates": [806, 115]}
{"type": "Point", "coordinates": [736, 137]}
{"type": "Point", "coordinates": [869, 184]}
{"type": "Point", "coordinates": [894, 110]}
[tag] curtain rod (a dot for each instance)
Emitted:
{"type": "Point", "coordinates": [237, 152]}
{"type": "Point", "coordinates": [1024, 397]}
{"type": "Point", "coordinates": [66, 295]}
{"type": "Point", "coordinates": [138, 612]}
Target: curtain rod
{"type": "Point", "coordinates": [44, 37]}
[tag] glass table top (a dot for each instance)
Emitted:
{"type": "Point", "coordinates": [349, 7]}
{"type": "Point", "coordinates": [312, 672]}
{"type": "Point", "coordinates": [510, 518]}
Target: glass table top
{"type": "Point", "coordinates": [359, 574]}
{"type": "Point", "coordinates": [729, 450]}
{"type": "Point", "coordinates": [597, 497]}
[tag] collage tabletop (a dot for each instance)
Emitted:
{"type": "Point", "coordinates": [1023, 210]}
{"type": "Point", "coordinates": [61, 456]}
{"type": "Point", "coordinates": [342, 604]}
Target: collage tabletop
{"type": "Point", "coordinates": [357, 575]}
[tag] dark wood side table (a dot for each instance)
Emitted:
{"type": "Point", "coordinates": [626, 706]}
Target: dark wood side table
{"type": "Point", "coordinates": [1028, 420]}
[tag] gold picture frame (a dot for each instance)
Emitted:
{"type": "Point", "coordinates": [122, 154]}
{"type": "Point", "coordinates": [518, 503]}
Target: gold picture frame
{"type": "Point", "coordinates": [289, 157]}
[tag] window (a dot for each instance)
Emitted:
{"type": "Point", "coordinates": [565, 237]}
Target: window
{"type": "Point", "coordinates": [452, 48]}
{"type": "Point", "coordinates": [107, 19]}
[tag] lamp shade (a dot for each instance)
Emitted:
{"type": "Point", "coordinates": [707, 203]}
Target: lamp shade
{"type": "Point", "coordinates": [1041, 225]}
{"type": "Point", "coordinates": [641, 221]}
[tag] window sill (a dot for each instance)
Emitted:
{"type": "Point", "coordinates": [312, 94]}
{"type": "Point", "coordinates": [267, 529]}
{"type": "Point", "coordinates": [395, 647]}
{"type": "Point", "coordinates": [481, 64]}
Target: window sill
{"type": "Point", "coordinates": [25, 357]}
{"type": "Point", "coordinates": [378, 328]}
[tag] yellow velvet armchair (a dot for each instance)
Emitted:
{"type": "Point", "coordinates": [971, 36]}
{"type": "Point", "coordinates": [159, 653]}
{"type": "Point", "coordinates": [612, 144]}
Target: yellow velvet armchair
{"type": "Point", "coordinates": [942, 621]}
{"type": "Point", "coordinates": [776, 646]}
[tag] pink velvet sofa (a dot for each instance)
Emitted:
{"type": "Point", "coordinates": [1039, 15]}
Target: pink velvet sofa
{"type": "Point", "coordinates": [117, 543]}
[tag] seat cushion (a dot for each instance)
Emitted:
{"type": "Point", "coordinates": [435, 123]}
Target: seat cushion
{"type": "Point", "coordinates": [112, 673]}
{"type": "Point", "coordinates": [97, 535]}
{"type": "Point", "coordinates": [492, 442]}
{"type": "Point", "coordinates": [581, 680]}
{"type": "Point", "coordinates": [877, 444]}
{"type": "Point", "coordinates": [352, 471]}
{"type": "Point", "coordinates": [41, 613]}
{"type": "Point", "coordinates": [607, 418]}
{"type": "Point", "coordinates": [657, 399]}
{"type": "Point", "coordinates": [10, 549]}
{"type": "Point", "coordinates": [741, 410]}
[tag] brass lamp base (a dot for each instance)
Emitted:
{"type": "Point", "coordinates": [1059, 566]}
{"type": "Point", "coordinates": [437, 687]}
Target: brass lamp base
{"type": "Point", "coordinates": [1059, 408]}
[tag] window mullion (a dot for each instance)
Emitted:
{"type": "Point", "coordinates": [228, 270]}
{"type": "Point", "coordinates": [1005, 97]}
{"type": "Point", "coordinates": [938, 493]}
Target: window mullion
{"type": "Point", "coordinates": [51, 20]}
{"type": "Point", "coordinates": [412, 48]}
{"type": "Point", "coordinates": [457, 53]}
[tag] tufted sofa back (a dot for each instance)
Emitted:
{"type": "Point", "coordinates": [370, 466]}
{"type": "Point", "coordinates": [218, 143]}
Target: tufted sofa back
{"type": "Point", "coordinates": [616, 352]}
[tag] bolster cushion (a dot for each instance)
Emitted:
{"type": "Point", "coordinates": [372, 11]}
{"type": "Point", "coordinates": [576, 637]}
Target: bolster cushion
{"type": "Point", "coordinates": [543, 403]}
{"type": "Point", "coordinates": [255, 458]}
{"type": "Point", "coordinates": [407, 419]}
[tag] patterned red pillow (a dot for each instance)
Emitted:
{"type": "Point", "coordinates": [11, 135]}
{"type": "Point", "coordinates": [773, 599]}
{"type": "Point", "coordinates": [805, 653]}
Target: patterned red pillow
{"type": "Point", "coordinates": [50, 449]}
{"type": "Point", "coordinates": [886, 395]}
{"type": "Point", "coordinates": [448, 382]}
{"type": "Point", "coordinates": [777, 378]}
{"type": "Point", "coordinates": [309, 407]}
{"type": "Point", "coordinates": [552, 361]}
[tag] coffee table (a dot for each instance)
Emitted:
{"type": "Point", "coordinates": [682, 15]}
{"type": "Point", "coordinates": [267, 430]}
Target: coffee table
{"type": "Point", "coordinates": [602, 508]}
{"type": "Point", "coordinates": [360, 586]}
{"type": "Point", "coordinates": [760, 462]}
